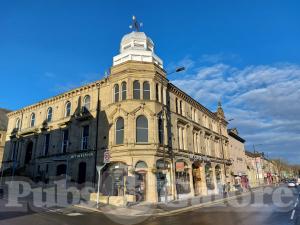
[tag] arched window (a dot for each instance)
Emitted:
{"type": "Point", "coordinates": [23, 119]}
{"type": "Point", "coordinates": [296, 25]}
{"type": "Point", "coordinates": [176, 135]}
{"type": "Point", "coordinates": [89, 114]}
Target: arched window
{"type": "Point", "coordinates": [157, 92]}
{"type": "Point", "coordinates": [141, 129]}
{"type": "Point", "coordinates": [160, 131]}
{"type": "Point", "coordinates": [120, 131]}
{"type": "Point", "coordinates": [49, 114]}
{"type": "Point", "coordinates": [68, 109]}
{"type": "Point", "coordinates": [86, 103]}
{"type": "Point", "coordinates": [146, 90]}
{"type": "Point", "coordinates": [136, 90]}
{"type": "Point", "coordinates": [32, 120]}
{"type": "Point", "coordinates": [116, 92]}
{"type": "Point", "coordinates": [124, 90]}
{"type": "Point", "coordinates": [18, 124]}
{"type": "Point", "coordinates": [141, 165]}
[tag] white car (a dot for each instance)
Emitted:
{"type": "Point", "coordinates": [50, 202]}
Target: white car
{"type": "Point", "coordinates": [291, 184]}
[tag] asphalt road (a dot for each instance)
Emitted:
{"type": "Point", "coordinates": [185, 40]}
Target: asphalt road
{"type": "Point", "coordinates": [272, 207]}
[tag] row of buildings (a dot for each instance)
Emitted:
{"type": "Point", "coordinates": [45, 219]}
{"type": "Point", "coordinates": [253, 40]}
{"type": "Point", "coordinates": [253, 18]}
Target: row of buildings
{"type": "Point", "coordinates": [250, 169]}
{"type": "Point", "coordinates": [157, 136]}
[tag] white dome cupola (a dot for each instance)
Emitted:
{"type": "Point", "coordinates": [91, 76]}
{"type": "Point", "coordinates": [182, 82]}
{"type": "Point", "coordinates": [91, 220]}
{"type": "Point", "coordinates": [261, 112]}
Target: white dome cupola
{"type": "Point", "coordinates": [136, 46]}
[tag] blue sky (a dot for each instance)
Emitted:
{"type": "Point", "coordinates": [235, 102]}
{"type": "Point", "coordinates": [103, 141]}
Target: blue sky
{"type": "Point", "coordinates": [245, 52]}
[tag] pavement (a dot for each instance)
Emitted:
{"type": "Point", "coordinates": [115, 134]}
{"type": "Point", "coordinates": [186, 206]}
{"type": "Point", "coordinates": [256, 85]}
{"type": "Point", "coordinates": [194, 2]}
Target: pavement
{"type": "Point", "coordinates": [266, 206]}
{"type": "Point", "coordinates": [171, 207]}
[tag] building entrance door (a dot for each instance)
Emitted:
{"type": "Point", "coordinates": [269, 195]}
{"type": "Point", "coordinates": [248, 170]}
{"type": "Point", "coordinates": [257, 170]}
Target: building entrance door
{"type": "Point", "coordinates": [197, 177]}
{"type": "Point", "coordinates": [163, 180]}
{"type": "Point", "coordinates": [140, 189]}
{"type": "Point", "coordinates": [81, 173]}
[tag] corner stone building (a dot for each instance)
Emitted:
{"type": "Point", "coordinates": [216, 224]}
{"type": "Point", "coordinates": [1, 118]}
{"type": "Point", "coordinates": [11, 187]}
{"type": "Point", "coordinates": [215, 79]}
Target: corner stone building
{"type": "Point", "coordinates": [3, 128]}
{"type": "Point", "coordinates": [158, 136]}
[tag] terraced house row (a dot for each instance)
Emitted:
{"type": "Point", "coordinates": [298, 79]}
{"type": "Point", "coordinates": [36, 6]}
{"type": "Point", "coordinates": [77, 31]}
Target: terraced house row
{"type": "Point", "coordinates": [157, 136]}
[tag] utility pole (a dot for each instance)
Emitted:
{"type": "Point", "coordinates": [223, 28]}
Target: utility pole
{"type": "Point", "coordinates": [165, 111]}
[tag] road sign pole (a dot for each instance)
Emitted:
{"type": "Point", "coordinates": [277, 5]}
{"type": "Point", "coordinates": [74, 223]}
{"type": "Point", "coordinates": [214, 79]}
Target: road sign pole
{"type": "Point", "coordinates": [99, 168]}
{"type": "Point", "coordinates": [106, 160]}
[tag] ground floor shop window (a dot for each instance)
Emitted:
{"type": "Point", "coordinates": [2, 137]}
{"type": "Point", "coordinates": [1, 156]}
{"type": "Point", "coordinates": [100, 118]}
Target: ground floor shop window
{"type": "Point", "coordinates": [163, 179]}
{"type": "Point", "coordinates": [197, 177]}
{"type": "Point", "coordinates": [113, 183]}
{"type": "Point", "coordinates": [182, 178]}
{"type": "Point", "coordinates": [141, 181]}
{"type": "Point", "coordinates": [218, 174]}
{"type": "Point", "coordinates": [209, 177]}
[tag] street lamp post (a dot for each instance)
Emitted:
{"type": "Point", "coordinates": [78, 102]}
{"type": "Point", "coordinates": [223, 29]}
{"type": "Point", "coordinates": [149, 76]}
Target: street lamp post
{"type": "Point", "coordinates": [257, 173]}
{"type": "Point", "coordinates": [164, 113]}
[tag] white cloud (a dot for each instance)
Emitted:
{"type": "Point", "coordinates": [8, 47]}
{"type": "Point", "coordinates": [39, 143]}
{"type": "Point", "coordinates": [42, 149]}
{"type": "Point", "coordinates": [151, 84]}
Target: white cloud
{"type": "Point", "coordinates": [264, 101]}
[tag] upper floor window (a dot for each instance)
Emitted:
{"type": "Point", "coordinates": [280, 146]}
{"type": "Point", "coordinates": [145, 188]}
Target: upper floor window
{"type": "Point", "coordinates": [32, 120]}
{"type": "Point", "coordinates": [46, 144]}
{"type": "Point", "coordinates": [180, 106]}
{"type": "Point", "coordinates": [68, 109]}
{"type": "Point", "coordinates": [18, 123]}
{"type": "Point", "coordinates": [65, 140]}
{"type": "Point", "coordinates": [146, 90]}
{"type": "Point", "coordinates": [86, 103]}
{"type": "Point", "coordinates": [85, 137]}
{"type": "Point", "coordinates": [141, 129]}
{"type": "Point", "coordinates": [49, 114]}
{"type": "Point", "coordinates": [160, 131]}
{"type": "Point", "coordinates": [116, 92]}
{"type": "Point", "coordinates": [120, 131]}
{"type": "Point", "coordinates": [157, 92]}
{"type": "Point", "coordinates": [136, 90]}
{"type": "Point", "coordinates": [176, 104]}
{"type": "Point", "coordinates": [124, 90]}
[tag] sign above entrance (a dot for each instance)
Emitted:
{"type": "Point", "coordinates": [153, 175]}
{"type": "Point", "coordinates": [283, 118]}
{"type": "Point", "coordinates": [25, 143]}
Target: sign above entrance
{"type": "Point", "coordinates": [199, 158]}
{"type": "Point", "coordinates": [179, 166]}
{"type": "Point", "coordinates": [106, 157]}
{"type": "Point", "coordinates": [81, 155]}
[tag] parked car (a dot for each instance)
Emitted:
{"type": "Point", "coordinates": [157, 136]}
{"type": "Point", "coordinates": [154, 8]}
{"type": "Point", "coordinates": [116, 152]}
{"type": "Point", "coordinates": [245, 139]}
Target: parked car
{"type": "Point", "coordinates": [291, 184]}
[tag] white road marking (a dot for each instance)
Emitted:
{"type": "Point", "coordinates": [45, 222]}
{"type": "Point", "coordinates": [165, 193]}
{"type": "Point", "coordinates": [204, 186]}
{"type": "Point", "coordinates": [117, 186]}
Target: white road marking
{"type": "Point", "coordinates": [293, 214]}
{"type": "Point", "coordinates": [74, 214]}
{"type": "Point", "coordinates": [295, 204]}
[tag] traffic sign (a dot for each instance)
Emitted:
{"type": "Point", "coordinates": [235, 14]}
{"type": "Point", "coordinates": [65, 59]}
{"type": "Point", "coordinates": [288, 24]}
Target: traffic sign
{"type": "Point", "coordinates": [106, 157]}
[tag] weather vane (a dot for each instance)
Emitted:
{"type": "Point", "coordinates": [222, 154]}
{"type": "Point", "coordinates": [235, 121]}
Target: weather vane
{"type": "Point", "coordinates": [135, 26]}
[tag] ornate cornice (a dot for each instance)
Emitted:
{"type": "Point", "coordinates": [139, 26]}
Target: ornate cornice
{"type": "Point", "coordinates": [175, 90]}
{"type": "Point", "coordinates": [66, 95]}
